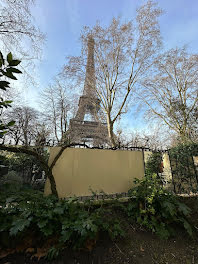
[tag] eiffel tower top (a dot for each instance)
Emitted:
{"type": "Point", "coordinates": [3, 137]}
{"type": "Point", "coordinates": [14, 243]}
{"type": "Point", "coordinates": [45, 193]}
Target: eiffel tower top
{"type": "Point", "coordinates": [90, 79]}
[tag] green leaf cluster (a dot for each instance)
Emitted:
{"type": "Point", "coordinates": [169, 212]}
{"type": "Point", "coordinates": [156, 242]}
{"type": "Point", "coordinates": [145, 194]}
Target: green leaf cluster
{"type": "Point", "coordinates": [185, 177]}
{"type": "Point", "coordinates": [74, 223]}
{"type": "Point", "coordinates": [157, 209]}
{"type": "Point", "coordinates": [153, 163]}
{"type": "Point", "coordinates": [7, 70]}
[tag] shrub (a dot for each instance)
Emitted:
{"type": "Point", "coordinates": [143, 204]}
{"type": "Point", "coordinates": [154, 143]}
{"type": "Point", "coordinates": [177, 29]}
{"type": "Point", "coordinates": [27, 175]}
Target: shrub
{"type": "Point", "coordinates": [185, 178]}
{"type": "Point", "coordinates": [11, 181]}
{"type": "Point", "coordinates": [153, 165]}
{"type": "Point", "coordinates": [68, 220]}
{"type": "Point", "coordinates": [157, 209]}
{"type": "Point", "coordinates": [13, 177]}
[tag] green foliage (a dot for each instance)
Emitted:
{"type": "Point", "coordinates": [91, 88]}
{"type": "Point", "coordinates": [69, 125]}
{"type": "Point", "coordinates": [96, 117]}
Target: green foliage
{"type": "Point", "coordinates": [19, 225]}
{"type": "Point", "coordinates": [23, 164]}
{"type": "Point", "coordinates": [153, 163]}
{"type": "Point", "coordinates": [157, 209]}
{"type": "Point", "coordinates": [6, 70]}
{"type": "Point", "coordinates": [12, 180]}
{"type": "Point", "coordinates": [53, 253]}
{"type": "Point", "coordinates": [185, 177]}
{"type": "Point", "coordinates": [72, 222]}
{"type": "Point", "coordinates": [184, 150]}
{"type": "Point", "coordinates": [20, 162]}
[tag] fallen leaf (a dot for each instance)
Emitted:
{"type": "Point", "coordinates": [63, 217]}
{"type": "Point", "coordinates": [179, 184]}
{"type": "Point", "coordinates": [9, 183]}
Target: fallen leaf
{"type": "Point", "coordinates": [20, 248]}
{"type": "Point", "coordinates": [29, 250]}
{"type": "Point", "coordinates": [5, 253]}
{"type": "Point", "coordinates": [90, 243]}
{"type": "Point", "coordinates": [41, 252]}
{"type": "Point", "coordinates": [141, 249]}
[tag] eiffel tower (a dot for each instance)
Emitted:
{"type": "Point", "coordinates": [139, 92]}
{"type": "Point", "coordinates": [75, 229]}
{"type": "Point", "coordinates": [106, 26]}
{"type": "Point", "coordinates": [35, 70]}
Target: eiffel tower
{"type": "Point", "coordinates": [87, 127]}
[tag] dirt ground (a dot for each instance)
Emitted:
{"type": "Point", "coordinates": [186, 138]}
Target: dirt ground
{"type": "Point", "coordinates": [138, 247]}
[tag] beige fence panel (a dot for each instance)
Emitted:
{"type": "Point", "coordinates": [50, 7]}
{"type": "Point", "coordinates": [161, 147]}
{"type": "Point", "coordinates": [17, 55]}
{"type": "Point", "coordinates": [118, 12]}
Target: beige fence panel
{"type": "Point", "coordinates": [78, 171]}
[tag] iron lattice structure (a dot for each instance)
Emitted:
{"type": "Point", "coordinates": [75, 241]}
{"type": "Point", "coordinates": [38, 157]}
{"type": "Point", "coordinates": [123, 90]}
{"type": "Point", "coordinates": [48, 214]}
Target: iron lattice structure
{"type": "Point", "coordinates": [93, 130]}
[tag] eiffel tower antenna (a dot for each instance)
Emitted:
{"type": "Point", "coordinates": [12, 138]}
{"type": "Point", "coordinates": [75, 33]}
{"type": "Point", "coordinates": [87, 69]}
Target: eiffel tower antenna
{"type": "Point", "coordinates": [90, 79]}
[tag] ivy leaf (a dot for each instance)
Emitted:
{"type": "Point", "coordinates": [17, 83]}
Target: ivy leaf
{"type": "Point", "coordinates": [14, 62]}
{"type": "Point", "coordinates": [10, 199]}
{"type": "Point", "coordinates": [66, 235]}
{"type": "Point", "coordinates": [1, 59]}
{"type": "Point", "coordinates": [4, 84]}
{"type": "Point", "coordinates": [47, 231]}
{"type": "Point", "coordinates": [19, 225]}
{"type": "Point", "coordinates": [169, 207]}
{"type": "Point", "coordinates": [8, 102]}
{"type": "Point", "coordinates": [2, 88]}
{"type": "Point", "coordinates": [13, 70]}
{"type": "Point", "coordinates": [188, 227]}
{"type": "Point", "coordinates": [11, 123]}
{"type": "Point", "coordinates": [59, 210]}
{"type": "Point", "coordinates": [10, 75]}
{"type": "Point", "coordinates": [162, 231]}
{"type": "Point", "coordinates": [43, 223]}
{"type": "Point", "coordinates": [2, 132]}
{"type": "Point", "coordinates": [184, 208]}
{"type": "Point", "coordinates": [9, 57]}
{"type": "Point", "coordinates": [5, 104]}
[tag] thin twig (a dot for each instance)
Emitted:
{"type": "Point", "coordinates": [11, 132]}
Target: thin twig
{"type": "Point", "coordinates": [120, 249]}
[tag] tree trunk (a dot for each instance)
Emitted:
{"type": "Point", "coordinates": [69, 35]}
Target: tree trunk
{"type": "Point", "coordinates": [110, 131]}
{"type": "Point", "coordinates": [50, 176]}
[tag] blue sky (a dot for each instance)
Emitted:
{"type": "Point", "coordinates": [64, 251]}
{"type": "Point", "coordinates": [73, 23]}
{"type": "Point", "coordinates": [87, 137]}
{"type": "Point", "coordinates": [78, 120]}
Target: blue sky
{"type": "Point", "coordinates": [62, 21]}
